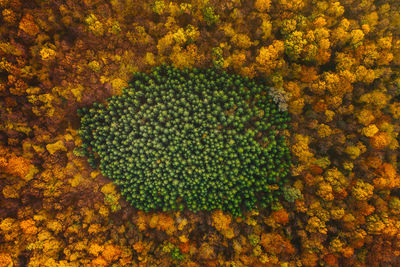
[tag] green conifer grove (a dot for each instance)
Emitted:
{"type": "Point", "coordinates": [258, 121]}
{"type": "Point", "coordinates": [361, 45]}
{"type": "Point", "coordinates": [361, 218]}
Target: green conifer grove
{"type": "Point", "coordinates": [201, 139]}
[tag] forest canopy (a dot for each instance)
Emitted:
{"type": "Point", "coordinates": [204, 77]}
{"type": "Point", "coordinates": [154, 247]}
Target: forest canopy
{"type": "Point", "coordinates": [332, 64]}
{"type": "Point", "coordinates": [197, 138]}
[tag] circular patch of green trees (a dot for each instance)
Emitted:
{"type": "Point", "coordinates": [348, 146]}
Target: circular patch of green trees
{"type": "Point", "coordinates": [201, 139]}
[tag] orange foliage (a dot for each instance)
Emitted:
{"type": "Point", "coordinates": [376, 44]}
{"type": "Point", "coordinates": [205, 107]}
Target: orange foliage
{"type": "Point", "coordinates": [166, 223]}
{"type": "Point", "coordinates": [380, 141]}
{"type": "Point", "coordinates": [28, 227]}
{"type": "Point", "coordinates": [111, 253]}
{"type": "Point", "coordinates": [309, 259]}
{"type": "Point", "coordinates": [17, 166]}
{"type": "Point", "coordinates": [387, 177]}
{"type": "Point", "coordinates": [99, 261]}
{"type": "Point", "coordinates": [275, 243]}
{"type": "Point", "coordinates": [331, 260]}
{"type": "Point", "coordinates": [6, 260]}
{"type": "Point", "coordinates": [281, 216]}
{"type": "Point", "coordinates": [28, 25]}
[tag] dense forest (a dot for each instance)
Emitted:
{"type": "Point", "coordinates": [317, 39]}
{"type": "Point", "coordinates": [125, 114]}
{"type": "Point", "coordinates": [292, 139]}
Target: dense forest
{"type": "Point", "coordinates": [333, 67]}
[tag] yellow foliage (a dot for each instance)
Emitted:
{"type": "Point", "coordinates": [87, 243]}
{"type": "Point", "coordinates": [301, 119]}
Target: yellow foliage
{"type": "Point", "coordinates": [329, 114]}
{"type": "Point", "coordinates": [270, 58]}
{"type": "Point", "coordinates": [376, 98]}
{"type": "Point", "coordinates": [320, 22]}
{"type": "Point", "coordinates": [7, 224]}
{"type": "Point", "coordinates": [362, 190]}
{"type": "Point", "coordinates": [221, 222]}
{"type": "Point", "coordinates": [337, 213]}
{"type": "Point", "coordinates": [43, 104]}
{"type": "Point", "coordinates": [241, 41]}
{"type": "Point", "coordinates": [41, 216]}
{"type": "Point", "coordinates": [55, 147]}
{"type": "Point", "coordinates": [286, 42]}
{"type": "Point", "coordinates": [323, 162]}
{"type": "Point", "coordinates": [316, 209]}
{"type": "Point", "coordinates": [325, 191]}
{"type": "Point", "coordinates": [76, 180]}
{"type": "Point", "coordinates": [372, 19]}
{"type": "Point", "coordinates": [336, 245]}
{"type": "Point", "coordinates": [95, 25]}
{"type": "Point", "coordinates": [262, 5]}
{"type": "Point", "coordinates": [301, 149]}
{"type": "Point", "coordinates": [395, 110]}
{"type": "Point", "coordinates": [55, 226]}
{"type": "Point", "coordinates": [266, 27]}
{"type": "Point", "coordinates": [159, 7]}
{"type": "Point", "coordinates": [117, 85]}
{"type": "Point", "coordinates": [77, 92]}
{"type": "Point", "coordinates": [370, 130]}
{"type": "Point", "coordinates": [347, 165]}
{"type": "Point", "coordinates": [385, 42]}
{"type": "Point", "coordinates": [104, 211]}
{"type": "Point", "coordinates": [357, 36]}
{"type": "Point", "coordinates": [49, 244]}
{"type": "Point", "coordinates": [353, 151]}
{"type": "Point", "coordinates": [336, 85]}
{"type": "Point", "coordinates": [150, 59]}
{"type": "Point", "coordinates": [94, 174]}
{"type": "Point", "coordinates": [324, 130]}
{"type": "Point", "coordinates": [182, 224]}
{"type": "Point", "coordinates": [344, 61]}
{"type": "Point", "coordinates": [94, 65]}
{"type": "Point", "coordinates": [187, 57]}
{"type": "Point", "coordinates": [295, 45]}
{"type": "Point", "coordinates": [321, 35]}
{"type": "Point", "coordinates": [192, 33]}
{"type": "Point", "coordinates": [80, 245]}
{"type": "Point", "coordinates": [318, 87]}
{"type": "Point", "coordinates": [139, 36]}
{"type": "Point", "coordinates": [179, 37]}
{"type": "Point", "coordinates": [336, 179]}
{"type": "Point", "coordinates": [365, 75]}
{"type": "Point", "coordinates": [374, 224]}
{"type": "Point", "coordinates": [47, 53]}
{"type": "Point", "coordinates": [165, 43]}
{"type": "Point", "coordinates": [365, 117]}
{"type": "Point", "coordinates": [394, 205]}
{"type": "Point", "coordinates": [109, 189]}
{"type": "Point", "coordinates": [315, 225]}
{"type": "Point", "coordinates": [292, 5]}
{"type": "Point", "coordinates": [228, 30]}
{"type": "Point", "coordinates": [183, 239]}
